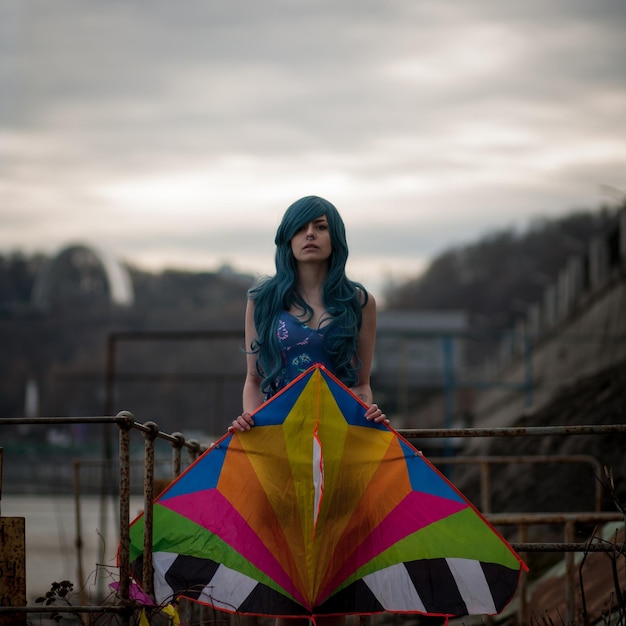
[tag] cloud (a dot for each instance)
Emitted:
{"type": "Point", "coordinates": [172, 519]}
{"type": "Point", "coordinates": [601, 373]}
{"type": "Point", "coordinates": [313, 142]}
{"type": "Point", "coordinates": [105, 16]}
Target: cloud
{"type": "Point", "coordinates": [155, 127]}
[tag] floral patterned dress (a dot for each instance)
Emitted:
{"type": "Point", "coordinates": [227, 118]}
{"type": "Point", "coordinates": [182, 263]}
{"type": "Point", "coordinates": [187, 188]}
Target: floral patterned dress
{"type": "Point", "coordinates": [301, 347]}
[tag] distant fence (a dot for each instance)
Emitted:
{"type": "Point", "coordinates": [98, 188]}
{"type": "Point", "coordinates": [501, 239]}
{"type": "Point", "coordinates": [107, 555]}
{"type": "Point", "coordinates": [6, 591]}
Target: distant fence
{"type": "Point", "coordinates": [586, 272]}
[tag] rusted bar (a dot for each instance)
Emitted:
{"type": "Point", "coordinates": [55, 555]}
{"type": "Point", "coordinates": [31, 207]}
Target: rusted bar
{"type": "Point", "coordinates": [192, 445]}
{"type": "Point", "coordinates": [148, 518]}
{"type": "Point", "coordinates": [512, 519]}
{"type": "Point", "coordinates": [176, 453]}
{"type": "Point", "coordinates": [570, 580]}
{"type": "Point", "coordinates": [538, 431]}
{"type": "Point", "coordinates": [554, 518]}
{"type": "Point", "coordinates": [13, 570]}
{"type": "Point", "coordinates": [569, 547]}
{"type": "Point", "coordinates": [124, 504]}
{"type": "Point", "coordinates": [89, 419]}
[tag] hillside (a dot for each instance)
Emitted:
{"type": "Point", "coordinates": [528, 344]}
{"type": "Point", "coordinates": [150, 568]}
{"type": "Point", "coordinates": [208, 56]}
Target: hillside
{"type": "Point", "coordinates": [495, 277]}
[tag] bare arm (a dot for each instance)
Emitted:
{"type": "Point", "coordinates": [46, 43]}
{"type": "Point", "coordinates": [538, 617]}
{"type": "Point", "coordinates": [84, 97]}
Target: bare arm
{"type": "Point", "coordinates": [252, 396]}
{"type": "Point", "coordinates": [367, 340]}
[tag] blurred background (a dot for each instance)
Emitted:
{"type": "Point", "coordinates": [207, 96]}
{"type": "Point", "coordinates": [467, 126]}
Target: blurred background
{"type": "Point", "coordinates": [476, 150]}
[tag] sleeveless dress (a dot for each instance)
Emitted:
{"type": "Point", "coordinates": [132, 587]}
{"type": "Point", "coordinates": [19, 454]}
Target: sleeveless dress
{"type": "Point", "coordinates": [301, 346]}
{"type": "Point", "coordinates": [344, 518]}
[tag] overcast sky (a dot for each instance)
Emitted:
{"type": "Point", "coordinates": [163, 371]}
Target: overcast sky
{"type": "Point", "coordinates": [176, 133]}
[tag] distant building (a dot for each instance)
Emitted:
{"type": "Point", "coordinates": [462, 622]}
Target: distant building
{"type": "Point", "coordinates": [80, 270]}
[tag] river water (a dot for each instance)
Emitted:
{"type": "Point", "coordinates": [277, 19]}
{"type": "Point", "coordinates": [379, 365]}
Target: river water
{"type": "Point", "coordinates": [51, 540]}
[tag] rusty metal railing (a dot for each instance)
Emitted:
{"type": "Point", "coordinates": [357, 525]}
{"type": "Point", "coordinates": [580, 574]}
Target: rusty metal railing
{"type": "Point", "coordinates": [513, 431]}
{"type": "Point", "coordinates": [126, 423]}
{"type": "Point", "coordinates": [523, 520]}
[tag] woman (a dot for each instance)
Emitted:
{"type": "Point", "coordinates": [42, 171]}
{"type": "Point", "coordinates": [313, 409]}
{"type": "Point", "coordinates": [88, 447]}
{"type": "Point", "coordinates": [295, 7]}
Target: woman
{"type": "Point", "coordinates": [308, 312]}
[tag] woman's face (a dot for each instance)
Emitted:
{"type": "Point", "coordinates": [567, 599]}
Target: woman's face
{"type": "Point", "coordinates": [312, 242]}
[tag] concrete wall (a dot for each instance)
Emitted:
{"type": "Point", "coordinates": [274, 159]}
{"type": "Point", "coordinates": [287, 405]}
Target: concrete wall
{"type": "Point", "coordinates": [577, 328]}
{"type": "Point", "coordinates": [589, 339]}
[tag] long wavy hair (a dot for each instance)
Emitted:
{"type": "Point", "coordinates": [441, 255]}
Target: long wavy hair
{"type": "Point", "coordinates": [343, 298]}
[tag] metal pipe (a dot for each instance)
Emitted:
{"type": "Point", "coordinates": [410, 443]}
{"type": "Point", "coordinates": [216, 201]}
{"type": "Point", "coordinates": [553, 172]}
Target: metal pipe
{"type": "Point", "coordinates": [124, 504]}
{"type": "Point", "coordinates": [192, 445]}
{"type": "Point", "coordinates": [148, 518]}
{"type": "Point", "coordinates": [570, 580]}
{"type": "Point", "coordinates": [537, 431]}
{"type": "Point", "coordinates": [93, 419]}
{"type": "Point", "coordinates": [513, 519]}
{"type": "Point", "coordinates": [568, 547]}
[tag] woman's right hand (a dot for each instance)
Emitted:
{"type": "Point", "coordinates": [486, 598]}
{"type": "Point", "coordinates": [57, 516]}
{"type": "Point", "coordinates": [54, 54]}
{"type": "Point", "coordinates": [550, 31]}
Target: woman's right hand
{"type": "Point", "coordinates": [243, 422]}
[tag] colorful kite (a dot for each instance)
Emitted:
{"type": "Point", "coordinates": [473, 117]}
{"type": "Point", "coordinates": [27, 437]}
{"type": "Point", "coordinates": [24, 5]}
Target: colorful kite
{"type": "Point", "coordinates": [316, 511]}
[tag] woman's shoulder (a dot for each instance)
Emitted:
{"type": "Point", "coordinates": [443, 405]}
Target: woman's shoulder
{"type": "Point", "coordinates": [364, 297]}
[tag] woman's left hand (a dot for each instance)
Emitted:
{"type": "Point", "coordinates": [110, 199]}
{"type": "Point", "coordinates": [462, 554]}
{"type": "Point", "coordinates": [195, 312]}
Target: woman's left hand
{"type": "Point", "coordinates": [374, 414]}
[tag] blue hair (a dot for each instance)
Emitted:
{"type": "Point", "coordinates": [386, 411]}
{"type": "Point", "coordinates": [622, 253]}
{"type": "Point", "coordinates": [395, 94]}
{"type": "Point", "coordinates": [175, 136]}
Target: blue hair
{"type": "Point", "coordinates": [342, 297]}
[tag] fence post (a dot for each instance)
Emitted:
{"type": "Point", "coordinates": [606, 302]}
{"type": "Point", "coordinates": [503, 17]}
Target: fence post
{"type": "Point", "coordinates": [13, 559]}
{"type": "Point", "coordinates": [124, 551]}
{"type": "Point", "coordinates": [570, 595]}
{"type": "Point", "coordinates": [148, 487]}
